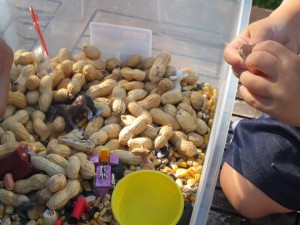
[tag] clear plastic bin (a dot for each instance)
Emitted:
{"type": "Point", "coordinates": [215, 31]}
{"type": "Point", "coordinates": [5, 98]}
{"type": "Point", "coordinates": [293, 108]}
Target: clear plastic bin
{"type": "Point", "coordinates": [195, 32]}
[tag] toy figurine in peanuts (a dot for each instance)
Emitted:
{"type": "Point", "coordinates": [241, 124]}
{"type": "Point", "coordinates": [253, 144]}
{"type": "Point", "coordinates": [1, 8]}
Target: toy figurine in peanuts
{"type": "Point", "coordinates": [15, 166]}
{"type": "Point", "coordinates": [82, 104]}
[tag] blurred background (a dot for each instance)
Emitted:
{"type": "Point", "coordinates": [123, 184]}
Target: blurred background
{"type": "Point", "coordinates": [268, 4]}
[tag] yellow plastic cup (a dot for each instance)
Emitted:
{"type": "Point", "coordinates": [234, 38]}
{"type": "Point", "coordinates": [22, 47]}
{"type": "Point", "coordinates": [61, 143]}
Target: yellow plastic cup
{"type": "Point", "coordinates": [147, 197]}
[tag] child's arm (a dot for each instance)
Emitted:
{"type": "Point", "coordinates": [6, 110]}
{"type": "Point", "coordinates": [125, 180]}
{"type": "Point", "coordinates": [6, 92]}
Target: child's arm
{"type": "Point", "coordinates": [288, 13]}
{"type": "Point", "coordinates": [6, 59]}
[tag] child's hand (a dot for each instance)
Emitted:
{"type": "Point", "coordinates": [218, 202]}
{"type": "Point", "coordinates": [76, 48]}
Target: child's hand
{"type": "Point", "coordinates": [262, 30]}
{"type": "Point", "coordinates": [6, 60]}
{"type": "Point", "coordinates": [272, 80]}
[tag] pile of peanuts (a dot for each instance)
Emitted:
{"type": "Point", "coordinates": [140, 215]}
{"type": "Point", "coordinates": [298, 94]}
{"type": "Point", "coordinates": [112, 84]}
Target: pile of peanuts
{"type": "Point", "coordinates": [153, 116]}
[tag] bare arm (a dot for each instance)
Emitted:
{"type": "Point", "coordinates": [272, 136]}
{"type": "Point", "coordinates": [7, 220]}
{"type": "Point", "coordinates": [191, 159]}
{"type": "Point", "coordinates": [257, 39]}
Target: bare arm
{"type": "Point", "coordinates": [6, 60]}
{"type": "Point", "coordinates": [288, 13]}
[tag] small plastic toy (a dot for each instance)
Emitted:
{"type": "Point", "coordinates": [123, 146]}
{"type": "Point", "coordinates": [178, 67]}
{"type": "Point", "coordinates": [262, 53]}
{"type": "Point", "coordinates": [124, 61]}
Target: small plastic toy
{"type": "Point", "coordinates": [82, 104]}
{"type": "Point", "coordinates": [79, 206]}
{"type": "Point", "coordinates": [16, 164]}
{"type": "Point", "coordinates": [50, 216]}
{"type": "Point", "coordinates": [104, 179]}
{"type": "Point", "coordinates": [59, 222]}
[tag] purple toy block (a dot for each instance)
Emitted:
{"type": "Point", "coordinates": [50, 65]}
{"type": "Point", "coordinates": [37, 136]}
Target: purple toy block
{"type": "Point", "coordinates": [94, 158]}
{"type": "Point", "coordinates": [114, 159]}
{"type": "Point", "coordinates": [103, 179]}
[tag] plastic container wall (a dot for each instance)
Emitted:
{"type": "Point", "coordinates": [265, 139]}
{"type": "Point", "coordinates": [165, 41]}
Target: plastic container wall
{"type": "Point", "coordinates": [195, 32]}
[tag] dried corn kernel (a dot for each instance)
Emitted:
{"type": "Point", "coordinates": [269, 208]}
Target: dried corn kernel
{"type": "Point", "coordinates": [166, 170]}
{"type": "Point", "coordinates": [156, 162]}
{"type": "Point", "coordinates": [191, 181]}
{"type": "Point", "coordinates": [132, 168]}
{"type": "Point", "coordinates": [191, 171]}
{"type": "Point", "coordinates": [182, 164]}
{"type": "Point", "coordinates": [206, 139]}
{"type": "Point", "coordinates": [210, 122]}
{"type": "Point", "coordinates": [180, 172]}
{"type": "Point", "coordinates": [103, 211]}
{"type": "Point", "coordinates": [199, 169]}
{"type": "Point", "coordinates": [40, 221]}
{"type": "Point", "coordinates": [179, 183]}
{"type": "Point", "coordinates": [174, 166]}
{"type": "Point", "coordinates": [197, 177]}
{"type": "Point", "coordinates": [96, 215]}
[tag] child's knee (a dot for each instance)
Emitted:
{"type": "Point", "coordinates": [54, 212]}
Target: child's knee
{"type": "Point", "coordinates": [246, 198]}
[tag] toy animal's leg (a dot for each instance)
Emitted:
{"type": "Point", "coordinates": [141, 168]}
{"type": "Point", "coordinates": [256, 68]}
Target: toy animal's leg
{"type": "Point", "coordinates": [69, 120]}
{"type": "Point", "coordinates": [89, 112]}
{"type": "Point", "coordinates": [98, 112]}
{"type": "Point", "coordinates": [51, 114]}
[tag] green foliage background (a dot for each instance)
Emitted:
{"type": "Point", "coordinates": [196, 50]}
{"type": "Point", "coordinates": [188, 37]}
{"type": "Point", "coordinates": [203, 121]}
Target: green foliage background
{"type": "Point", "coordinates": [268, 4]}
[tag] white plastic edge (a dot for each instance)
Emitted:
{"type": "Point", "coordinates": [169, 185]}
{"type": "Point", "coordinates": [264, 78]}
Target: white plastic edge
{"type": "Point", "coordinates": [219, 134]}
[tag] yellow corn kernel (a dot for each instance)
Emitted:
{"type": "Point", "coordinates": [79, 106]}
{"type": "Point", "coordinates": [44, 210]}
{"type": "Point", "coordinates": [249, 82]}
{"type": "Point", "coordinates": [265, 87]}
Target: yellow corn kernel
{"type": "Point", "coordinates": [209, 104]}
{"type": "Point", "coordinates": [174, 166]}
{"type": "Point", "coordinates": [96, 215]}
{"type": "Point", "coordinates": [206, 88]}
{"type": "Point", "coordinates": [210, 122]}
{"type": "Point", "coordinates": [206, 139]}
{"type": "Point", "coordinates": [132, 168]}
{"type": "Point", "coordinates": [191, 181]}
{"type": "Point", "coordinates": [215, 92]}
{"type": "Point", "coordinates": [156, 162]}
{"type": "Point", "coordinates": [180, 172]}
{"type": "Point", "coordinates": [191, 171]}
{"type": "Point", "coordinates": [202, 155]}
{"type": "Point", "coordinates": [197, 177]}
{"type": "Point", "coordinates": [177, 155]}
{"type": "Point", "coordinates": [182, 164]}
{"type": "Point", "coordinates": [179, 183]}
{"type": "Point", "coordinates": [103, 211]}
{"type": "Point", "coordinates": [40, 221]}
{"type": "Point", "coordinates": [190, 161]}
{"type": "Point", "coordinates": [166, 170]}
{"type": "Point", "coordinates": [199, 169]}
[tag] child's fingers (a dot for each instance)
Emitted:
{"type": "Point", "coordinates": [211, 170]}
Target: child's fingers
{"type": "Point", "coordinates": [262, 62]}
{"type": "Point", "coordinates": [231, 53]}
{"type": "Point", "coordinates": [256, 84]}
{"type": "Point", "coordinates": [268, 57]}
{"type": "Point", "coordinates": [258, 102]}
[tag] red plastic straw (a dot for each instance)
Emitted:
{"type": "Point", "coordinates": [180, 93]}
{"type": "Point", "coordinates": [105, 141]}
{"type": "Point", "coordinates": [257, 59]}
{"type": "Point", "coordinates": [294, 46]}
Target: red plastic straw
{"type": "Point", "coordinates": [35, 20]}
